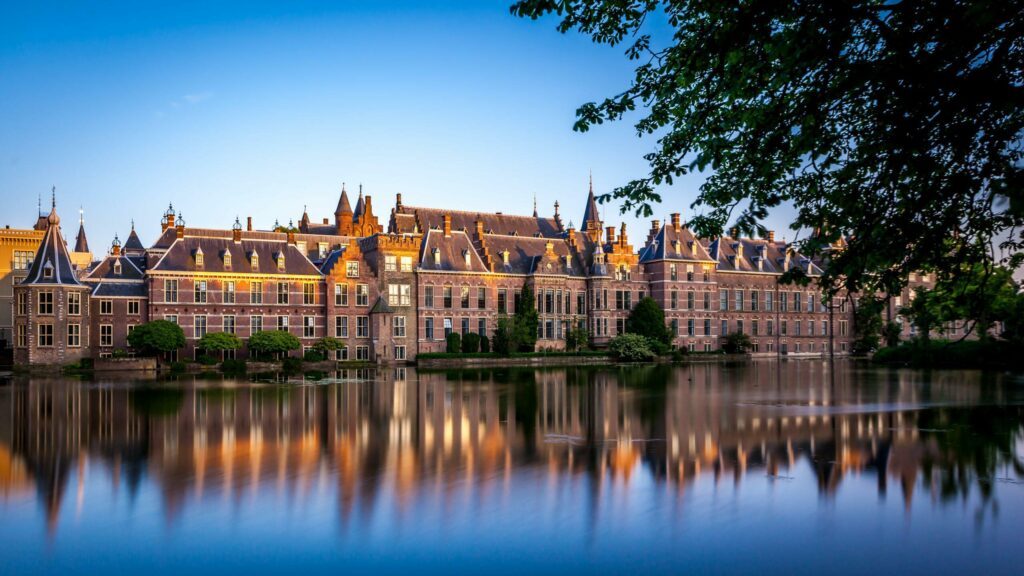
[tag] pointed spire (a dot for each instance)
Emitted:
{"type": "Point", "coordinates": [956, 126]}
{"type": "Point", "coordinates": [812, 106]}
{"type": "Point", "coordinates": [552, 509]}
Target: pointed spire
{"type": "Point", "coordinates": [591, 216]}
{"type": "Point", "coordinates": [534, 204]}
{"type": "Point", "coordinates": [81, 243]}
{"type": "Point", "coordinates": [359, 204]}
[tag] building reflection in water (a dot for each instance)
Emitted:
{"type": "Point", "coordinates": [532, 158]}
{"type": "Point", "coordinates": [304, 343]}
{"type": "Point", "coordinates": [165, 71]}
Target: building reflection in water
{"type": "Point", "coordinates": [448, 433]}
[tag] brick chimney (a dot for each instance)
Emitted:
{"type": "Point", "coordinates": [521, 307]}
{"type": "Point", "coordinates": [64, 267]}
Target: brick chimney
{"type": "Point", "coordinates": [675, 221]}
{"type": "Point", "coordinates": [291, 237]}
{"type": "Point", "coordinates": [248, 223]}
{"type": "Point", "coordinates": [479, 229]}
{"type": "Point", "coordinates": [771, 236]}
{"type": "Point", "coordinates": [170, 221]}
{"type": "Point", "coordinates": [610, 234]}
{"type": "Point", "coordinates": [572, 237]}
{"type": "Point", "coordinates": [447, 225]}
{"type": "Point", "coordinates": [655, 228]}
{"type": "Point", "coordinates": [398, 200]}
{"type": "Point", "coordinates": [622, 235]}
{"type": "Point", "coordinates": [236, 234]}
{"type": "Point", "coordinates": [180, 229]}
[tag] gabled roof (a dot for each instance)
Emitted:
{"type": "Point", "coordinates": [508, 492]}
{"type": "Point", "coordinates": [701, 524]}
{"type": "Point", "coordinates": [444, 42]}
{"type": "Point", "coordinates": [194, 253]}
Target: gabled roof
{"type": "Point", "coordinates": [180, 257]}
{"type": "Point", "coordinates": [757, 255]}
{"type": "Point", "coordinates": [670, 244]}
{"type": "Point", "coordinates": [133, 243]}
{"type": "Point", "coordinates": [528, 255]}
{"type": "Point", "coordinates": [104, 270]}
{"type": "Point", "coordinates": [52, 264]}
{"type": "Point", "coordinates": [451, 253]}
{"type": "Point", "coordinates": [121, 290]}
{"type": "Point", "coordinates": [505, 224]}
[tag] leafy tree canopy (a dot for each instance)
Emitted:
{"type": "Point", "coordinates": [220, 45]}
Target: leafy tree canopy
{"type": "Point", "coordinates": [273, 342]}
{"type": "Point", "coordinates": [215, 341]}
{"type": "Point", "coordinates": [156, 337]}
{"type": "Point", "coordinates": [648, 319]}
{"type": "Point", "coordinates": [526, 321]}
{"type": "Point", "coordinates": [896, 124]}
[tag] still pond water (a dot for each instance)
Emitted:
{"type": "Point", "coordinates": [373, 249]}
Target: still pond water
{"type": "Point", "coordinates": [791, 467]}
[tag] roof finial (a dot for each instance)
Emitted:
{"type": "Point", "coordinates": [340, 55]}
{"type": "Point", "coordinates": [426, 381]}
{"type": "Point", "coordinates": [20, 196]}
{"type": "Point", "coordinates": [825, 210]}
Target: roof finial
{"type": "Point", "coordinates": [591, 181]}
{"type": "Point", "coordinates": [39, 204]}
{"type": "Point", "coordinates": [133, 224]}
{"type": "Point", "coordinates": [53, 197]}
{"type": "Point", "coordinates": [534, 204]}
{"type": "Point", "coordinates": [81, 215]}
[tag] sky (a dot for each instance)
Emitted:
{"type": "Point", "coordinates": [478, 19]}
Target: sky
{"type": "Point", "coordinates": [259, 109]}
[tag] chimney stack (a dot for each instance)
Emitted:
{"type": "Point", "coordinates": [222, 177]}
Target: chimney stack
{"type": "Point", "coordinates": [291, 237]}
{"type": "Point", "coordinates": [622, 235]}
{"type": "Point", "coordinates": [398, 200]}
{"type": "Point", "coordinates": [675, 221]}
{"type": "Point", "coordinates": [179, 227]}
{"type": "Point", "coordinates": [572, 237]}
{"type": "Point", "coordinates": [610, 234]}
{"type": "Point", "coordinates": [771, 236]}
{"type": "Point", "coordinates": [170, 221]}
{"type": "Point", "coordinates": [248, 221]}
{"type": "Point", "coordinates": [447, 225]}
{"type": "Point", "coordinates": [479, 229]}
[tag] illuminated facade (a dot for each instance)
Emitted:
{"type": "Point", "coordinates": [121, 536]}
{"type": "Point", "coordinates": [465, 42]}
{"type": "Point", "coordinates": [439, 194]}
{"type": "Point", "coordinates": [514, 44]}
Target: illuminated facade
{"type": "Point", "coordinates": [392, 292]}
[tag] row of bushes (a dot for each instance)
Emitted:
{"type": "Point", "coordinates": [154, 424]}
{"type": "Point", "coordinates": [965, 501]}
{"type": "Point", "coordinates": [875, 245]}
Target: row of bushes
{"type": "Point", "coordinates": [537, 354]}
{"type": "Point", "coordinates": [960, 354]}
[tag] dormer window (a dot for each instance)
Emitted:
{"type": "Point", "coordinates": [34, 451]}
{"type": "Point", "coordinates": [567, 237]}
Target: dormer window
{"type": "Point", "coordinates": [199, 258]}
{"type": "Point", "coordinates": [227, 260]}
{"type": "Point", "coordinates": [504, 257]}
{"type": "Point", "coordinates": [677, 246]}
{"type": "Point", "coordinates": [301, 245]}
{"type": "Point", "coordinates": [117, 267]}
{"type": "Point", "coordinates": [48, 270]}
{"type": "Point", "coordinates": [437, 257]}
{"type": "Point", "coordinates": [466, 255]}
{"type": "Point", "coordinates": [280, 262]}
{"type": "Point", "coordinates": [255, 261]}
{"type": "Point", "coordinates": [321, 249]}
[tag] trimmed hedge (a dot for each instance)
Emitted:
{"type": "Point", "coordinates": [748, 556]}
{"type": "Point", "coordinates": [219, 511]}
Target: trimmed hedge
{"type": "Point", "coordinates": [944, 354]}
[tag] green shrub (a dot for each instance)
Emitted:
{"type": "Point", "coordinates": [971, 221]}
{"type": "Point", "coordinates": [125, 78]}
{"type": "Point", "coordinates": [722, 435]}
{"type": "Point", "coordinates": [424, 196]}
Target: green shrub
{"type": "Point", "coordinates": [680, 354]}
{"type": "Point", "coordinates": [291, 364]}
{"type": "Point", "coordinates": [118, 353]}
{"type": "Point", "coordinates": [156, 337]}
{"type": "Point", "coordinates": [648, 319]}
{"type": "Point", "coordinates": [178, 366]}
{"type": "Point", "coordinates": [631, 348]}
{"type": "Point", "coordinates": [206, 360]}
{"type": "Point", "coordinates": [736, 343]}
{"type": "Point", "coordinates": [485, 344]}
{"type": "Point", "coordinates": [230, 365]}
{"type": "Point", "coordinates": [453, 343]}
{"type": "Point", "coordinates": [471, 343]}
{"type": "Point", "coordinates": [313, 356]}
{"type": "Point", "coordinates": [86, 364]}
{"type": "Point", "coordinates": [505, 335]}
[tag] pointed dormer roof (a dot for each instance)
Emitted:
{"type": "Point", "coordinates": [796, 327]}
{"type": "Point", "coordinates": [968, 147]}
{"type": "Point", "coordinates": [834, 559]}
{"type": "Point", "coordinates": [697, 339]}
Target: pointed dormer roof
{"type": "Point", "coordinates": [52, 264]}
{"type": "Point", "coordinates": [591, 216]}
{"type": "Point", "coordinates": [343, 206]}
{"type": "Point", "coordinates": [359, 204]}
{"type": "Point", "coordinates": [81, 243]}
{"type": "Point", "coordinates": [133, 243]}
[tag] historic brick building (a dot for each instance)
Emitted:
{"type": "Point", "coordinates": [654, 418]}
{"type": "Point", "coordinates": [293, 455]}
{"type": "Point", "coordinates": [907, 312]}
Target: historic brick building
{"type": "Point", "coordinates": [392, 293]}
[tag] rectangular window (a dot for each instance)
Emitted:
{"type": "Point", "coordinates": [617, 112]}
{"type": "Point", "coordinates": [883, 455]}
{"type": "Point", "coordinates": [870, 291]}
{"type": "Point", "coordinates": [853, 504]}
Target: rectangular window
{"type": "Point", "coordinates": [784, 328]}
{"type": "Point", "coordinates": [45, 303]}
{"type": "Point", "coordinates": [723, 300]}
{"type": "Point", "coordinates": [341, 326]}
{"type": "Point", "coordinates": [399, 352]}
{"type": "Point", "coordinates": [362, 326]}
{"type": "Point", "coordinates": [106, 307]}
{"type": "Point", "coordinates": [447, 296]}
{"type": "Point", "coordinates": [810, 301]}
{"type": "Point", "coordinates": [771, 328]}
{"type": "Point", "coordinates": [282, 292]}
{"type": "Point", "coordinates": [390, 263]}
{"type": "Point", "coordinates": [429, 330]}
{"type": "Point", "coordinates": [481, 326]}
{"type": "Point", "coordinates": [707, 301]}
{"type": "Point", "coordinates": [255, 324]}
{"type": "Point", "coordinates": [134, 307]}
{"type": "Point", "coordinates": [229, 292]}
{"type": "Point", "coordinates": [428, 296]}
{"type": "Point", "coordinates": [725, 328]}
{"type": "Point", "coordinates": [23, 259]}
{"type": "Point", "coordinates": [673, 274]}
{"type": "Point", "coordinates": [481, 298]}
{"type": "Point", "coordinates": [739, 326]}
{"type": "Point", "coordinates": [399, 295]}
{"type": "Point", "coordinates": [352, 269]}
{"type": "Point", "coordinates": [362, 294]}
{"type": "Point", "coordinates": [229, 324]}
{"type": "Point", "coordinates": [707, 327]}
{"type": "Point", "coordinates": [673, 300]}
{"type": "Point", "coordinates": [447, 327]}
{"type": "Point", "coordinates": [739, 300]}
{"type": "Point", "coordinates": [75, 303]}
{"type": "Point", "coordinates": [362, 353]}
{"type": "Point", "coordinates": [308, 293]}
{"type": "Point", "coordinates": [783, 301]}
{"type": "Point", "coordinates": [74, 335]}
{"type": "Point", "coordinates": [198, 328]}
{"type": "Point", "coordinates": [581, 303]}
{"type": "Point", "coordinates": [464, 296]}
{"type": "Point", "coordinates": [172, 318]}
{"type": "Point", "coordinates": [282, 323]}
{"type": "Point", "coordinates": [689, 272]}
{"type": "Point", "coordinates": [21, 339]}
{"type": "Point", "coordinates": [824, 327]}
{"type": "Point", "coordinates": [754, 328]}
{"type": "Point", "coordinates": [199, 293]}
{"type": "Point", "coordinates": [465, 326]}
{"type": "Point", "coordinates": [842, 328]}
{"type": "Point", "coordinates": [406, 263]}
{"type": "Point", "coordinates": [810, 327]}
{"type": "Point", "coordinates": [398, 326]}
{"type": "Point", "coordinates": [45, 335]}
{"type": "Point", "coordinates": [502, 301]}
{"type": "Point", "coordinates": [754, 295]}
{"type": "Point", "coordinates": [768, 299]}
{"type": "Point", "coordinates": [170, 290]}
{"type": "Point", "coordinates": [797, 302]}
{"type": "Point", "coordinates": [690, 300]}
{"type": "Point", "coordinates": [256, 292]}
{"type": "Point", "coordinates": [690, 328]}
{"type": "Point", "coordinates": [308, 327]}
{"type": "Point", "coordinates": [796, 328]}
{"type": "Point", "coordinates": [341, 294]}
{"type": "Point", "coordinates": [23, 304]}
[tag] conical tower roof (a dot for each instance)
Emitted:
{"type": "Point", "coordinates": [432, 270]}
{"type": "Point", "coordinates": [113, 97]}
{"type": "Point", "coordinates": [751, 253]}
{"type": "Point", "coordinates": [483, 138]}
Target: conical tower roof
{"type": "Point", "coordinates": [133, 242]}
{"type": "Point", "coordinates": [52, 264]}
{"type": "Point", "coordinates": [343, 206]}
{"type": "Point", "coordinates": [359, 204]}
{"type": "Point", "coordinates": [591, 216]}
{"type": "Point", "coordinates": [81, 243]}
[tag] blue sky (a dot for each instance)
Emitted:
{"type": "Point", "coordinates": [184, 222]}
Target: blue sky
{"type": "Point", "coordinates": [259, 109]}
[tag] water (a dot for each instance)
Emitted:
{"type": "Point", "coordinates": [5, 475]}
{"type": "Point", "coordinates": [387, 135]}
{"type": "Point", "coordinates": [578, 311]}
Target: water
{"type": "Point", "coordinates": [766, 467]}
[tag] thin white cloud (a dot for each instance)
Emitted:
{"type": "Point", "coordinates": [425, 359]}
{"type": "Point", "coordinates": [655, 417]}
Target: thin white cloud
{"type": "Point", "coordinates": [197, 98]}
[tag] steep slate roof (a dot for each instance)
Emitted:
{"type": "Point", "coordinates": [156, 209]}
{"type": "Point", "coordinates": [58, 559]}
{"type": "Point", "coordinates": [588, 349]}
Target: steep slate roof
{"type": "Point", "coordinates": [663, 246]}
{"type": "Point", "coordinates": [104, 270]}
{"type": "Point", "coordinates": [527, 255]}
{"type": "Point", "coordinates": [52, 255]}
{"type": "Point", "coordinates": [771, 254]}
{"type": "Point", "coordinates": [121, 290]}
{"type": "Point", "coordinates": [181, 256]}
{"type": "Point", "coordinates": [403, 223]}
{"type": "Point", "coordinates": [81, 243]}
{"type": "Point", "coordinates": [452, 252]}
{"type": "Point", "coordinates": [133, 242]}
{"type": "Point", "coordinates": [312, 239]}
{"type": "Point", "coordinates": [590, 213]}
{"type": "Point", "coordinates": [506, 224]}
{"type": "Point", "coordinates": [343, 206]}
